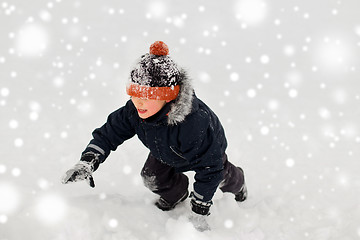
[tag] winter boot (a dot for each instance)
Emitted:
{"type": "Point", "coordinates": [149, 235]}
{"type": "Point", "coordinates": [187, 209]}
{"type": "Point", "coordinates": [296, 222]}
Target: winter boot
{"type": "Point", "coordinates": [166, 206]}
{"type": "Point", "coordinates": [242, 194]}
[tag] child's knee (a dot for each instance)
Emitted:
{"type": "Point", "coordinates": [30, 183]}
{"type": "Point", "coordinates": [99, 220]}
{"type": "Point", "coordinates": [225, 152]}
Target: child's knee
{"type": "Point", "coordinates": [150, 183]}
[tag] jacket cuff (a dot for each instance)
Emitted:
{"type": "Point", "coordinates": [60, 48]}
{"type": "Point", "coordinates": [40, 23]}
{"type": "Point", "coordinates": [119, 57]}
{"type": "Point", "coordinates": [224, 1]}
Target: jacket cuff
{"type": "Point", "coordinates": [198, 206]}
{"type": "Point", "coordinates": [96, 148]}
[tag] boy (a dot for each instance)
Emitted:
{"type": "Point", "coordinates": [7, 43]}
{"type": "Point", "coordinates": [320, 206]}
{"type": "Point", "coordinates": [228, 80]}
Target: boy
{"type": "Point", "coordinates": [181, 132]}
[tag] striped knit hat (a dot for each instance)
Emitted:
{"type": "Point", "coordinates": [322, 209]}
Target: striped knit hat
{"type": "Point", "coordinates": [155, 76]}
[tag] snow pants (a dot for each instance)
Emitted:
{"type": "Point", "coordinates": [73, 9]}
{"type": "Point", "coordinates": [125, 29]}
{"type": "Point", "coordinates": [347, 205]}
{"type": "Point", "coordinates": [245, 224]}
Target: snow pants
{"type": "Point", "coordinates": [170, 185]}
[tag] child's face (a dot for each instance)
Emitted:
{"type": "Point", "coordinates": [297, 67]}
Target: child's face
{"type": "Point", "coordinates": [147, 107]}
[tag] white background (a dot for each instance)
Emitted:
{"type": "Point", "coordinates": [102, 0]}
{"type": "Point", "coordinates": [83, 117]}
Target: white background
{"type": "Point", "coordinates": [283, 77]}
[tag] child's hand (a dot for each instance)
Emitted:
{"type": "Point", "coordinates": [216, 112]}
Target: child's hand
{"type": "Point", "coordinates": [200, 211]}
{"type": "Point", "coordinates": [83, 170]}
{"type": "Point", "coordinates": [79, 172]}
{"type": "Point", "coordinates": [199, 222]}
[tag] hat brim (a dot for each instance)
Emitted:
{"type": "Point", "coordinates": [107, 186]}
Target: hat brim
{"type": "Point", "coordinates": [153, 93]}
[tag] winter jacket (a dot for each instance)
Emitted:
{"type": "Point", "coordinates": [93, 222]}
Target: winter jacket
{"type": "Point", "coordinates": [185, 134]}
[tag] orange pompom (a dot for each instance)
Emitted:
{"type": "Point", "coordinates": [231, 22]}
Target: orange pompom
{"type": "Point", "coordinates": [159, 48]}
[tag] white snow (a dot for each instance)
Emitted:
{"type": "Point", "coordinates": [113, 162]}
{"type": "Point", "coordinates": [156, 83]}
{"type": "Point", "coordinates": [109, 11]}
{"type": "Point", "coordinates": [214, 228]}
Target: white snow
{"type": "Point", "coordinates": [251, 11]}
{"type": "Point", "coordinates": [32, 40]}
{"type": "Point", "coordinates": [282, 76]}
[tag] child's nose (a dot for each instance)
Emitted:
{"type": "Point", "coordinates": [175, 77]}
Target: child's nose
{"type": "Point", "coordinates": [139, 101]}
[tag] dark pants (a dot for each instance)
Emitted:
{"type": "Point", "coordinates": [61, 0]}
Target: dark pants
{"type": "Point", "coordinates": [164, 181]}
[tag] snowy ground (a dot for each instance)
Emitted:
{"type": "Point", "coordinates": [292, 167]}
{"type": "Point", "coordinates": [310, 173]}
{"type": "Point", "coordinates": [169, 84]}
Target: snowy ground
{"type": "Point", "coordinates": [283, 76]}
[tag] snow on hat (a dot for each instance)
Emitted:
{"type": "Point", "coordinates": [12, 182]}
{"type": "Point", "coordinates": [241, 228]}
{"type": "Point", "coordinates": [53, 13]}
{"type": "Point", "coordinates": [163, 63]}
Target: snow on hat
{"type": "Point", "coordinates": [155, 76]}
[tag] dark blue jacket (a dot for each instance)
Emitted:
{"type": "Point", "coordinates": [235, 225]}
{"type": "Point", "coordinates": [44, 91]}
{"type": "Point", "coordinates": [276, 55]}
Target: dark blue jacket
{"type": "Point", "coordinates": [184, 137]}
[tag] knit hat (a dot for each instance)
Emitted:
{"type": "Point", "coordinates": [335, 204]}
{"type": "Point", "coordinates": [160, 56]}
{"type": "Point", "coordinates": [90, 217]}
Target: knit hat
{"type": "Point", "coordinates": [155, 76]}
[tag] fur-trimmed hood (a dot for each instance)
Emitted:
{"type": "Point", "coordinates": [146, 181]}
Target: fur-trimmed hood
{"type": "Point", "coordinates": [183, 104]}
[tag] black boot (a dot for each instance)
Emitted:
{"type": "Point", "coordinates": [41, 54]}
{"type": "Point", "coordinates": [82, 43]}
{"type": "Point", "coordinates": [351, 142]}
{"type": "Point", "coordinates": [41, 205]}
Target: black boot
{"type": "Point", "coordinates": [242, 194]}
{"type": "Point", "coordinates": [166, 206]}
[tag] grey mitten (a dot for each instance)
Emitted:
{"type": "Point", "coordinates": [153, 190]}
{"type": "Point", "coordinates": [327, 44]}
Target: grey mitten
{"type": "Point", "coordinates": [199, 222]}
{"type": "Point", "coordinates": [83, 169]}
{"type": "Point", "coordinates": [200, 211]}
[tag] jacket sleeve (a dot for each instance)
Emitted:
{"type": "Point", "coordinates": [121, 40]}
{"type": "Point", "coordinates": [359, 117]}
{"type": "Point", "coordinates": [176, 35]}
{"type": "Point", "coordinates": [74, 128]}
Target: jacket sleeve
{"type": "Point", "coordinates": [208, 173]}
{"type": "Point", "coordinates": [114, 132]}
{"type": "Point", "coordinates": [205, 149]}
